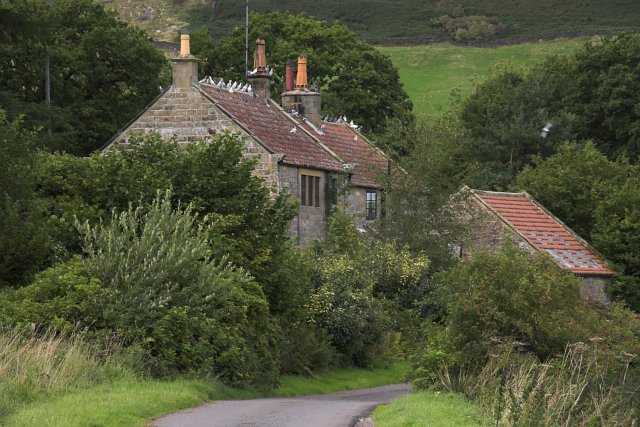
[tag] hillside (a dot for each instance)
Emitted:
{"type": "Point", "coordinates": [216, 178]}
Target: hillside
{"type": "Point", "coordinates": [386, 18]}
{"type": "Point", "coordinates": [431, 72]}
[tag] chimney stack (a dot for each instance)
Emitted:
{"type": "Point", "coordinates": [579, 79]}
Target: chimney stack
{"type": "Point", "coordinates": [288, 84]}
{"type": "Point", "coordinates": [185, 66]}
{"type": "Point", "coordinates": [260, 77]}
{"type": "Point", "coordinates": [306, 102]}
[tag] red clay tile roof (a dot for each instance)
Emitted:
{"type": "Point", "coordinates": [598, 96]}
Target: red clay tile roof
{"type": "Point", "coordinates": [545, 232]}
{"type": "Point", "coordinates": [371, 165]}
{"type": "Point", "coordinates": [273, 129]}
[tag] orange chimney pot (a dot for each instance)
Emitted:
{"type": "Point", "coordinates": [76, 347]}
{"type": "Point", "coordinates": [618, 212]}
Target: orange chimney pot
{"type": "Point", "coordinates": [301, 77]}
{"type": "Point", "coordinates": [260, 57]}
{"type": "Point", "coordinates": [184, 46]}
{"type": "Point", "coordinates": [288, 86]}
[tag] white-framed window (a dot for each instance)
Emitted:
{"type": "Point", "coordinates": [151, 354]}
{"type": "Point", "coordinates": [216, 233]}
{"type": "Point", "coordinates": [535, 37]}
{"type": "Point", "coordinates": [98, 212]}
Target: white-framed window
{"type": "Point", "coordinates": [371, 205]}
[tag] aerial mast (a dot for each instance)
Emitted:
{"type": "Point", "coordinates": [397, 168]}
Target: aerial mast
{"type": "Point", "coordinates": [246, 40]}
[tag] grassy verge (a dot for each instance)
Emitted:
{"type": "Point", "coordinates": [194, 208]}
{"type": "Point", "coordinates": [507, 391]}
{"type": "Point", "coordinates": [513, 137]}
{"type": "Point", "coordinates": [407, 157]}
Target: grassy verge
{"type": "Point", "coordinates": [427, 409]}
{"type": "Point", "coordinates": [133, 403]}
{"type": "Point", "coordinates": [340, 380]}
{"type": "Point", "coordinates": [429, 73]}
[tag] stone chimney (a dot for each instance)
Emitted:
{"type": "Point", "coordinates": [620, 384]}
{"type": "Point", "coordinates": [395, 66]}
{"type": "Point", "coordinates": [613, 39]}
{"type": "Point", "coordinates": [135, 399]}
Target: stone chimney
{"type": "Point", "coordinates": [260, 77]}
{"type": "Point", "coordinates": [304, 101]}
{"type": "Point", "coordinates": [185, 66]}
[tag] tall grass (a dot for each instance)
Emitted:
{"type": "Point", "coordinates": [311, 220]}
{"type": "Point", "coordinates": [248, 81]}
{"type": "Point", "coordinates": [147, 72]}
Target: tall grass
{"type": "Point", "coordinates": [587, 385]}
{"type": "Point", "coordinates": [33, 366]}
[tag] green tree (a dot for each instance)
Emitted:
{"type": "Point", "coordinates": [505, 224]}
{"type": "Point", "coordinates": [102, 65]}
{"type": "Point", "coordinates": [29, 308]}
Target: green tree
{"type": "Point", "coordinates": [598, 198]}
{"type": "Point", "coordinates": [355, 79]}
{"type": "Point", "coordinates": [24, 244]}
{"type": "Point", "coordinates": [420, 204]}
{"type": "Point", "coordinates": [103, 71]}
{"type": "Point", "coordinates": [249, 226]}
{"type": "Point", "coordinates": [504, 116]}
{"type": "Point", "coordinates": [591, 95]}
{"type": "Point", "coordinates": [617, 234]}
{"type": "Point", "coordinates": [513, 294]}
{"type": "Point", "coordinates": [571, 183]}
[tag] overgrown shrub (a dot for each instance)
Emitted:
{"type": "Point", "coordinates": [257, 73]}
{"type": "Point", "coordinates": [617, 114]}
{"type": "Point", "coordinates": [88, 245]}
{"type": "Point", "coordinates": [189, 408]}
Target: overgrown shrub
{"type": "Point", "coordinates": [305, 350]}
{"type": "Point", "coordinates": [360, 287]}
{"type": "Point", "coordinates": [517, 337]}
{"type": "Point", "coordinates": [512, 293]}
{"type": "Point", "coordinates": [473, 27]}
{"type": "Point", "coordinates": [150, 279]}
{"type": "Point", "coordinates": [191, 311]}
{"type": "Point", "coordinates": [588, 384]}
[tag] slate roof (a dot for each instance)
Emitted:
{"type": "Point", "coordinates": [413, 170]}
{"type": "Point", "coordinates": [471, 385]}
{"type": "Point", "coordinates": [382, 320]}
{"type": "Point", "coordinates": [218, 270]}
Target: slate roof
{"type": "Point", "coordinates": [272, 127]}
{"type": "Point", "coordinates": [352, 147]}
{"type": "Point", "coordinates": [545, 232]}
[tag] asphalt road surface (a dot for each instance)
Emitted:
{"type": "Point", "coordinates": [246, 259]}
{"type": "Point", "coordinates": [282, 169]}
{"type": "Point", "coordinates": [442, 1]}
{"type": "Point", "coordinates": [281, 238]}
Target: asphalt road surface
{"type": "Point", "coordinates": [327, 410]}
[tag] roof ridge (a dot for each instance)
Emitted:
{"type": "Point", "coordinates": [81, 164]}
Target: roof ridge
{"type": "Point", "coordinates": [233, 118]}
{"type": "Point", "coordinates": [316, 140]}
{"type": "Point", "coordinates": [548, 216]}
{"type": "Point", "coordinates": [499, 193]}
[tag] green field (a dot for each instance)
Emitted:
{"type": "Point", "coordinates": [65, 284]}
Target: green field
{"type": "Point", "coordinates": [431, 72]}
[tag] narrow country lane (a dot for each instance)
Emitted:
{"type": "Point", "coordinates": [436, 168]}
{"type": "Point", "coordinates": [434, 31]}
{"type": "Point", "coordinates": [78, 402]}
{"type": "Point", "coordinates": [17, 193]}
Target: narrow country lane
{"type": "Point", "coordinates": [327, 410]}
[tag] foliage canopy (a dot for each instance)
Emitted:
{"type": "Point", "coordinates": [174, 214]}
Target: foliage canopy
{"type": "Point", "coordinates": [355, 79]}
{"type": "Point", "coordinates": [103, 71]}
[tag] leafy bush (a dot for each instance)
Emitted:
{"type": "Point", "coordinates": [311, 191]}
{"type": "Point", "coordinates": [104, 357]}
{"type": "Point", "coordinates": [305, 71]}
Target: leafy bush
{"type": "Point", "coordinates": [511, 293]}
{"type": "Point", "coordinates": [61, 298]}
{"type": "Point", "coordinates": [514, 339]}
{"type": "Point", "coordinates": [358, 283]}
{"type": "Point", "coordinates": [507, 294]}
{"type": "Point", "coordinates": [150, 279]}
{"type": "Point", "coordinates": [192, 312]}
{"type": "Point", "coordinates": [474, 27]}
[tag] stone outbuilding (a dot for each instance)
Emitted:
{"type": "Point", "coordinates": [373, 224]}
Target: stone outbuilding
{"type": "Point", "coordinates": [316, 160]}
{"type": "Point", "coordinates": [526, 223]}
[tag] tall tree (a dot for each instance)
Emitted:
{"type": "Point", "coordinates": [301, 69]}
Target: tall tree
{"type": "Point", "coordinates": [600, 200]}
{"type": "Point", "coordinates": [355, 79]}
{"type": "Point", "coordinates": [24, 244]}
{"type": "Point", "coordinates": [102, 71]}
{"type": "Point", "coordinates": [593, 94]}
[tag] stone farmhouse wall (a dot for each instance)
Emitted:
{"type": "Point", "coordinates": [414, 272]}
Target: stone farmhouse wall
{"type": "Point", "coordinates": [311, 222]}
{"type": "Point", "coordinates": [489, 232]}
{"type": "Point", "coordinates": [187, 116]}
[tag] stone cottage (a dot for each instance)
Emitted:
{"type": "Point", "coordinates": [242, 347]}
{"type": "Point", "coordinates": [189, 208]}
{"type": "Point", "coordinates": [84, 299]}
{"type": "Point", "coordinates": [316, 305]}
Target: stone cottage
{"type": "Point", "coordinates": [531, 227]}
{"type": "Point", "coordinates": [314, 159]}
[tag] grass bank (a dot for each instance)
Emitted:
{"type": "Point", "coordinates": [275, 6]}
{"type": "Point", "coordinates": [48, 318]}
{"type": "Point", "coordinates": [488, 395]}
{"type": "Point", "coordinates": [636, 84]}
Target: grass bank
{"type": "Point", "coordinates": [133, 403]}
{"type": "Point", "coordinates": [429, 409]}
{"type": "Point", "coordinates": [429, 73]}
